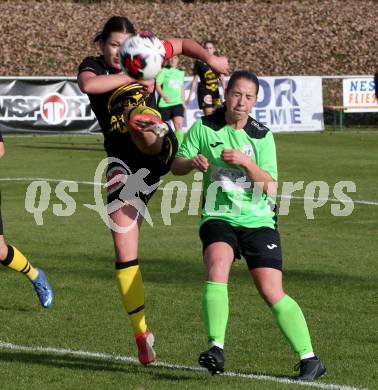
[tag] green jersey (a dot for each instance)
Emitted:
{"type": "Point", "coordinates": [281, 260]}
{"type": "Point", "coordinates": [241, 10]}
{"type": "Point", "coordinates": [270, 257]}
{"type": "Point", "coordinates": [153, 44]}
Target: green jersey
{"type": "Point", "coordinates": [228, 193]}
{"type": "Point", "coordinates": [172, 83]}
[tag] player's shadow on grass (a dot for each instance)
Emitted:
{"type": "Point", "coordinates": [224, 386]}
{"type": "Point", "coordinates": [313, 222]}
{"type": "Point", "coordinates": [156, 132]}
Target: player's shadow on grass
{"type": "Point", "coordinates": [16, 308]}
{"type": "Point", "coordinates": [92, 364]}
{"type": "Point", "coordinates": [327, 279]}
{"type": "Point", "coordinates": [170, 271]}
{"type": "Point", "coordinates": [157, 270]}
{"type": "Point", "coordinates": [60, 147]}
{"type": "Point", "coordinates": [67, 361]}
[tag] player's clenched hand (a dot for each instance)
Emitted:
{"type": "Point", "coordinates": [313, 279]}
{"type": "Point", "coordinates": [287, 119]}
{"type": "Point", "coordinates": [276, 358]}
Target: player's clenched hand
{"type": "Point", "coordinates": [232, 156]}
{"type": "Point", "coordinates": [200, 162]}
{"type": "Point", "coordinates": [219, 64]}
{"type": "Point", "coordinates": [148, 86]}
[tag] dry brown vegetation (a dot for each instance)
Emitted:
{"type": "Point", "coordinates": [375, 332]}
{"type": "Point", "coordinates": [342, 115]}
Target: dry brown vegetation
{"type": "Point", "coordinates": [317, 37]}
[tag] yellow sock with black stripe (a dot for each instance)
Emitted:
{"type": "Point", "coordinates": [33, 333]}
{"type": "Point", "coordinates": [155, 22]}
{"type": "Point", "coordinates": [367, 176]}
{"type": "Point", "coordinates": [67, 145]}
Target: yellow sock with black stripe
{"type": "Point", "coordinates": [130, 284]}
{"type": "Point", "coordinates": [17, 261]}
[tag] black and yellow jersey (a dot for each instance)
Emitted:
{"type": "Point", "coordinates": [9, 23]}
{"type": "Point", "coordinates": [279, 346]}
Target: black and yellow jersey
{"type": "Point", "coordinates": [208, 79]}
{"type": "Point", "coordinates": [108, 107]}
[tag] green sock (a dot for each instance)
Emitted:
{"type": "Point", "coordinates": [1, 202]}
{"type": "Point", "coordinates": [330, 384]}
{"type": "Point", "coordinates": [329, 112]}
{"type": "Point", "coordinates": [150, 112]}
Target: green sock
{"type": "Point", "coordinates": [215, 311]}
{"type": "Point", "coordinates": [180, 136]}
{"type": "Point", "coordinates": [292, 323]}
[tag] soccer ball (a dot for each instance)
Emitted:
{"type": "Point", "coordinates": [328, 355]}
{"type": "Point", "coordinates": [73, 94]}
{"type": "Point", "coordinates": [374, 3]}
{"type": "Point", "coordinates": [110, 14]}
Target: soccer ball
{"type": "Point", "coordinates": [142, 56]}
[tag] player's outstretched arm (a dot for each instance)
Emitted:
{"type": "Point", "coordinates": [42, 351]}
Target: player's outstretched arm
{"type": "Point", "coordinates": [90, 83]}
{"type": "Point", "coordinates": [192, 88]}
{"type": "Point", "coordinates": [182, 165]}
{"type": "Point", "coordinates": [223, 83]}
{"type": "Point", "coordinates": [254, 172]}
{"type": "Point", "coordinates": [160, 91]}
{"type": "Point", "coordinates": [192, 49]}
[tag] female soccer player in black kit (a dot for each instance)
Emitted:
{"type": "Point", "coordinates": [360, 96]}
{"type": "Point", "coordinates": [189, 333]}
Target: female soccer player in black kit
{"type": "Point", "coordinates": [141, 143]}
{"type": "Point", "coordinates": [12, 258]}
{"type": "Point", "coordinates": [208, 95]}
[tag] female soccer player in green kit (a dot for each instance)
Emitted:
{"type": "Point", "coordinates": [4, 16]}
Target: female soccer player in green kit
{"type": "Point", "coordinates": [170, 87]}
{"type": "Point", "coordinates": [238, 157]}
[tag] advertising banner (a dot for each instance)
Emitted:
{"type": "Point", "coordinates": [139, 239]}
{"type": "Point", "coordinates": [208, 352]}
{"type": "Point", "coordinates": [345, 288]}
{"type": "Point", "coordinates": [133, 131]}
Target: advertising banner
{"type": "Point", "coordinates": [359, 95]}
{"type": "Point", "coordinates": [40, 106]}
{"type": "Point", "coordinates": [284, 104]}
{"type": "Point", "coordinates": [43, 105]}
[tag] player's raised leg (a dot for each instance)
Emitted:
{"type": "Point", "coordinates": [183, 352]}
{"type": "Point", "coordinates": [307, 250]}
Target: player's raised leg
{"type": "Point", "coordinates": [146, 128]}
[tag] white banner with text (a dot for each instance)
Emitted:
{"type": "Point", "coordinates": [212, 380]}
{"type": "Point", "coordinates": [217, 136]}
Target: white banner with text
{"type": "Point", "coordinates": [359, 95]}
{"type": "Point", "coordinates": [287, 103]}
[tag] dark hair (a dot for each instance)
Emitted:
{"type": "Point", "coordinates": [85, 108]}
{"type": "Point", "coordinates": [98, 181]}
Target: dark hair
{"type": "Point", "coordinates": [209, 41]}
{"type": "Point", "coordinates": [243, 74]}
{"type": "Point", "coordinates": [115, 24]}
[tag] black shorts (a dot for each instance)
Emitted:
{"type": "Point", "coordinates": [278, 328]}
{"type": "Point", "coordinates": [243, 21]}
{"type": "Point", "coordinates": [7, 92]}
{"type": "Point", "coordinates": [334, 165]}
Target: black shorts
{"type": "Point", "coordinates": [143, 171]}
{"type": "Point", "coordinates": [208, 98]}
{"type": "Point", "coordinates": [261, 247]}
{"type": "Point", "coordinates": [168, 113]}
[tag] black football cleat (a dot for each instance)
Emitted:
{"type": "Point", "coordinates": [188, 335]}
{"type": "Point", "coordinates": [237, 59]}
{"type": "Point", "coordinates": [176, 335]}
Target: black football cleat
{"type": "Point", "coordinates": [310, 369]}
{"type": "Point", "coordinates": [213, 360]}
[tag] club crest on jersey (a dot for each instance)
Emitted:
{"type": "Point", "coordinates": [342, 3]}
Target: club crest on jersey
{"type": "Point", "coordinates": [248, 150]}
{"type": "Point", "coordinates": [125, 96]}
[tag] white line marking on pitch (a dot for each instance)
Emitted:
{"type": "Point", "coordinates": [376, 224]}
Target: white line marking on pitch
{"type": "Point", "coordinates": [365, 202]}
{"type": "Point", "coordinates": [122, 358]}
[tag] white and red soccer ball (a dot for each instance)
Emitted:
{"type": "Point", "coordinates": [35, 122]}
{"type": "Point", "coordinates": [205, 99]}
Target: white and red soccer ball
{"type": "Point", "coordinates": [142, 56]}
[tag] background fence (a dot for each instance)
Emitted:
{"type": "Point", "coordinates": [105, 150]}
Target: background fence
{"type": "Point", "coordinates": [286, 103]}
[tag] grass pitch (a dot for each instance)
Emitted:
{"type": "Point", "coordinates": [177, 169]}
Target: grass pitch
{"type": "Point", "coordinates": [330, 269]}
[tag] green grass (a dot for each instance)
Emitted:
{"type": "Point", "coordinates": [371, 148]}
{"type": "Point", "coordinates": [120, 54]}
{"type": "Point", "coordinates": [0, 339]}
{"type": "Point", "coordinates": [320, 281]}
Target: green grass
{"type": "Point", "coordinates": [330, 269]}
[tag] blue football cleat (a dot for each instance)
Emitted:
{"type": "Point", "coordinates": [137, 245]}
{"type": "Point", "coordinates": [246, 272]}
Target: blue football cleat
{"type": "Point", "coordinates": [43, 289]}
